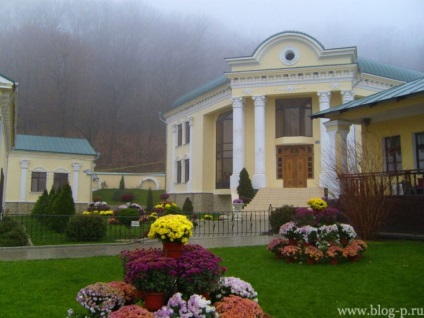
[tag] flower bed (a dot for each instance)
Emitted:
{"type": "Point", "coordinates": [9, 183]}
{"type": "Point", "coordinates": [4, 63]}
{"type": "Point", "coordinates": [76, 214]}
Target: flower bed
{"type": "Point", "coordinates": [196, 288]}
{"type": "Point", "coordinates": [314, 236]}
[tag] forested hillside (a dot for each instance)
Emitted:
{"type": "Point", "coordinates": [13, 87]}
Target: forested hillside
{"type": "Point", "coordinates": [104, 70]}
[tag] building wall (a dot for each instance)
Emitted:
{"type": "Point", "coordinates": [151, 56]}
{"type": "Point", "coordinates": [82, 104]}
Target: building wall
{"type": "Point", "coordinates": [111, 180]}
{"type": "Point", "coordinates": [22, 164]}
{"type": "Point", "coordinates": [406, 128]}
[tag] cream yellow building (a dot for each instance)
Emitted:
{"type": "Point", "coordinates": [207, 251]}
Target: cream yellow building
{"type": "Point", "coordinates": [39, 162]}
{"type": "Point", "coordinates": [145, 181]}
{"type": "Point", "coordinates": [8, 89]}
{"type": "Point", "coordinates": [392, 134]}
{"type": "Point", "coordinates": [257, 116]}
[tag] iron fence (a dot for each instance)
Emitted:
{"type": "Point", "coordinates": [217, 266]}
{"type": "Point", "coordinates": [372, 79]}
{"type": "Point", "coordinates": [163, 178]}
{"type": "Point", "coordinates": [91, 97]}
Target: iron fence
{"type": "Point", "coordinates": [208, 224]}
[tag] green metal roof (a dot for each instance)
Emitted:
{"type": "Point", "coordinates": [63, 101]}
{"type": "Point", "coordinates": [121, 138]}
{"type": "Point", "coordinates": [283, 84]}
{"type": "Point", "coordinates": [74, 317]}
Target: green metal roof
{"type": "Point", "coordinates": [200, 90]}
{"type": "Point", "coordinates": [399, 92]}
{"type": "Point", "coordinates": [389, 71]}
{"type": "Point", "coordinates": [7, 78]}
{"type": "Point", "coordinates": [54, 144]}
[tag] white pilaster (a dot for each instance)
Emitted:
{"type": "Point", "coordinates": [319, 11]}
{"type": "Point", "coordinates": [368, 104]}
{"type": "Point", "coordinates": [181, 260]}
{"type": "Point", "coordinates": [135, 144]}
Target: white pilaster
{"type": "Point", "coordinates": [75, 180]}
{"type": "Point", "coordinates": [336, 151]}
{"type": "Point", "coordinates": [24, 169]}
{"type": "Point", "coordinates": [173, 165]}
{"type": "Point", "coordinates": [238, 141]}
{"type": "Point", "coordinates": [190, 163]}
{"type": "Point", "coordinates": [259, 178]}
{"type": "Point", "coordinates": [324, 103]}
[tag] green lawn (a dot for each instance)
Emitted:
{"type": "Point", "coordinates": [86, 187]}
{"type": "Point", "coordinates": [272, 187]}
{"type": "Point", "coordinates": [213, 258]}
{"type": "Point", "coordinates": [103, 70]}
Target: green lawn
{"type": "Point", "coordinates": [390, 275]}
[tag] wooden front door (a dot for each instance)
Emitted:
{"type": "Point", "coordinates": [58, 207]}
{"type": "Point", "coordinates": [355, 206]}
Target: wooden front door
{"type": "Point", "coordinates": [292, 165]}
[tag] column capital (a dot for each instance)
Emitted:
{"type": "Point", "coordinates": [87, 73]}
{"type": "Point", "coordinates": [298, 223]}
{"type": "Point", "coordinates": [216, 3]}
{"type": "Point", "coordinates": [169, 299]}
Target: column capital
{"type": "Point", "coordinates": [324, 97]}
{"type": "Point", "coordinates": [24, 164]}
{"type": "Point", "coordinates": [348, 95]}
{"type": "Point", "coordinates": [191, 120]}
{"type": "Point", "coordinates": [259, 100]}
{"type": "Point", "coordinates": [174, 128]}
{"type": "Point", "coordinates": [238, 102]}
{"type": "Point", "coordinates": [76, 166]}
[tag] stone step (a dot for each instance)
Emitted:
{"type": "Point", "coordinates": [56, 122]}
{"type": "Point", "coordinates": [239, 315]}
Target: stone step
{"type": "Point", "coordinates": [281, 196]}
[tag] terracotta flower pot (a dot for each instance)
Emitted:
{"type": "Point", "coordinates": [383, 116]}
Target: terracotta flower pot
{"type": "Point", "coordinates": [154, 301]}
{"type": "Point", "coordinates": [173, 249]}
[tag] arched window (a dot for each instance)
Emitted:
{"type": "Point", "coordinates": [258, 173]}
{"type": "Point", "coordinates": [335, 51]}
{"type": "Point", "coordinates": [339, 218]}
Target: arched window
{"type": "Point", "coordinates": [224, 150]}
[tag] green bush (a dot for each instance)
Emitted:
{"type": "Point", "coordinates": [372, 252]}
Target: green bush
{"type": "Point", "coordinates": [280, 216]}
{"type": "Point", "coordinates": [187, 206]}
{"type": "Point", "coordinates": [63, 209]}
{"type": "Point", "coordinates": [86, 228]}
{"type": "Point", "coordinates": [12, 233]}
{"type": "Point", "coordinates": [126, 216]}
{"type": "Point", "coordinates": [41, 206]}
{"type": "Point", "coordinates": [149, 201]}
{"type": "Point", "coordinates": [245, 189]}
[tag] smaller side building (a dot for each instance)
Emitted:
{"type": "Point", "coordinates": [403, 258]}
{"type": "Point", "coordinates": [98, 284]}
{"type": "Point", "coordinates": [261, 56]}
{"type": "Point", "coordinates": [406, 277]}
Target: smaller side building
{"type": "Point", "coordinates": [39, 162]}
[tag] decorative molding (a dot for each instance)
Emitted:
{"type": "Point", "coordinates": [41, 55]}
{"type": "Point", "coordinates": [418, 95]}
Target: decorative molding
{"type": "Point", "coordinates": [290, 77]}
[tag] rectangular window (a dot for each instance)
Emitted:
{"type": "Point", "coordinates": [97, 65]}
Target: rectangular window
{"type": "Point", "coordinates": [179, 171]}
{"type": "Point", "coordinates": [187, 170]}
{"type": "Point", "coordinates": [38, 181]}
{"type": "Point", "coordinates": [59, 180]}
{"type": "Point", "coordinates": [419, 150]}
{"type": "Point", "coordinates": [393, 153]}
{"type": "Point", "coordinates": [292, 117]}
{"type": "Point", "coordinates": [187, 132]}
{"type": "Point", "coordinates": [180, 134]}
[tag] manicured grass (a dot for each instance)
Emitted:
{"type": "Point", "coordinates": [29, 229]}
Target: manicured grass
{"type": "Point", "coordinates": [390, 275]}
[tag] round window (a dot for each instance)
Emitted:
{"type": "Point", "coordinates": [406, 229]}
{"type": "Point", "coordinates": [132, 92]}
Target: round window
{"type": "Point", "coordinates": [289, 56]}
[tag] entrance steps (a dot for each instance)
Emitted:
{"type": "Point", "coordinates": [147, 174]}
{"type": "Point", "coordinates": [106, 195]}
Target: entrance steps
{"type": "Point", "coordinates": [278, 197]}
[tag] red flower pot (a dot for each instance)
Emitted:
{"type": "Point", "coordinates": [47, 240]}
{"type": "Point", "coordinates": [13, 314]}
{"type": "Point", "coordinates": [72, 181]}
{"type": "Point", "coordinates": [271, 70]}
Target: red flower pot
{"type": "Point", "coordinates": [311, 261]}
{"type": "Point", "coordinates": [154, 301]}
{"type": "Point", "coordinates": [334, 261]}
{"type": "Point", "coordinates": [173, 249]}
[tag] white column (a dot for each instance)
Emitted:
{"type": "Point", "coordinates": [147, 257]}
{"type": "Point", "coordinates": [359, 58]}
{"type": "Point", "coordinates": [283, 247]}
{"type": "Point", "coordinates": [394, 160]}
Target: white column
{"type": "Point", "coordinates": [324, 179]}
{"type": "Point", "coordinates": [190, 163]}
{"type": "Point", "coordinates": [24, 169]}
{"type": "Point", "coordinates": [336, 151]}
{"type": "Point", "coordinates": [259, 178]}
{"type": "Point", "coordinates": [348, 96]}
{"type": "Point", "coordinates": [75, 180]}
{"type": "Point", "coordinates": [173, 164]}
{"type": "Point", "coordinates": [238, 141]}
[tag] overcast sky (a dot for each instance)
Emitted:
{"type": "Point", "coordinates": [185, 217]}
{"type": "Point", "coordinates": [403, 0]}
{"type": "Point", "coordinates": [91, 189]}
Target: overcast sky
{"type": "Point", "coordinates": [335, 23]}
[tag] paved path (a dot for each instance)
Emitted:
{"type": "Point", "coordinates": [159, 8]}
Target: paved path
{"type": "Point", "coordinates": [90, 250]}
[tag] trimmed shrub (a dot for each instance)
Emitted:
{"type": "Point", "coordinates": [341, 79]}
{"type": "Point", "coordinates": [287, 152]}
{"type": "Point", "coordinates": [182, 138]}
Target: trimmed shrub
{"type": "Point", "coordinates": [149, 202]}
{"type": "Point", "coordinates": [86, 228]}
{"type": "Point", "coordinates": [281, 216]}
{"type": "Point", "coordinates": [245, 188]}
{"type": "Point", "coordinates": [187, 206]}
{"type": "Point", "coordinates": [12, 233]}
{"type": "Point", "coordinates": [122, 183]}
{"type": "Point", "coordinates": [63, 208]}
{"type": "Point", "coordinates": [41, 206]}
{"type": "Point", "coordinates": [126, 216]}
